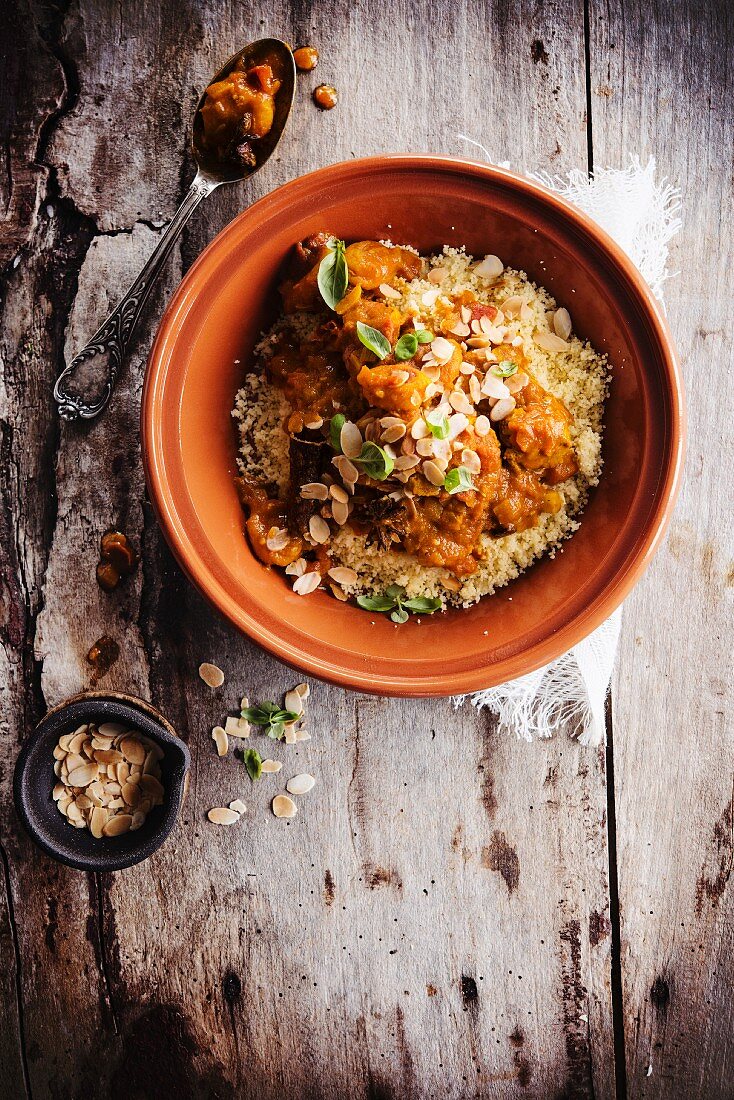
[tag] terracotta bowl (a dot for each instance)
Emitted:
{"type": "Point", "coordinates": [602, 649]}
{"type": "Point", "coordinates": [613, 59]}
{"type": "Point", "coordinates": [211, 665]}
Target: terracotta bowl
{"type": "Point", "coordinates": [205, 342]}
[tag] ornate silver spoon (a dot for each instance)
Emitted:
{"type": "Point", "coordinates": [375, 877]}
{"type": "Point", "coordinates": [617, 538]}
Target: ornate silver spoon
{"type": "Point", "coordinates": [84, 387]}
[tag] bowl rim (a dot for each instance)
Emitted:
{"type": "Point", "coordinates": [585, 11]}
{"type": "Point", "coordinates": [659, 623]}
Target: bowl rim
{"type": "Point", "coordinates": [385, 683]}
{"type": "Point", "coordinates": [167, 735]}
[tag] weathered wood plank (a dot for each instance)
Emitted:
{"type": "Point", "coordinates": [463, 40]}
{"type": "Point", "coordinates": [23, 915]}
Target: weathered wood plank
{"type": "Point", "coordinates": [435, 921]}
{"type": "Point", "coordinates": [674, 754]}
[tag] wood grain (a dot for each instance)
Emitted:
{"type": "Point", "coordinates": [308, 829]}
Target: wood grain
{"type": "Point", "coordinates": [436, 920]}
{"type": "Point", "coordinates": [672, 700]}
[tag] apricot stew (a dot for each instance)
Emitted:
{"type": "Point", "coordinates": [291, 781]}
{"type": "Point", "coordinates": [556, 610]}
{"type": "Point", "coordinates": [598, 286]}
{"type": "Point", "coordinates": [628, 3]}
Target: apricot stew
{"type": "Point", "coordinates": [424, 436]}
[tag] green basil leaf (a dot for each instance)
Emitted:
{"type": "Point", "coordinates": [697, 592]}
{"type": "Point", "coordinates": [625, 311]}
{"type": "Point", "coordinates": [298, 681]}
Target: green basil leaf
{"type": "Point", "coordinates": [335, 427]}
{"type": "Point", "coordinates": [253, 763]}
{"type": "Point", "coordinates": [406, 346]}
{"type": "Point", "coordinates": [259, 715]}
{"type": "Point", "coordinates": [376, 603]}
{"type": "Point", "coordinates": [373, 339]}
{"type": "Point", "coordinates": [426, 605]}
{"type": "Point", "coordinates": [275, 730]}
{"type": "Point", "coordinates": [333, 275]}
{"type": "Point", "coordinates": [439, 427]}
{"type": "Point", "coordinates": [399, 616]}
{"type": "Point", "coordinates": [505, 369]}
{"type": "Point", "coordinates": [375, 462]}
{"type": "Point", "coordinates": [458, 480]}
{"type": "Point", "coordinates": [423, 336]}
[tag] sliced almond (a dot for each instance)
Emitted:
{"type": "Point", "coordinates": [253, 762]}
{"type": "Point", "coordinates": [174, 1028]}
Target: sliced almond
{"type": "Point", "coordinates": [437, 275]}
{"type": "Point", "coordinates": [562, 323]}
{"type": "Point", "coordinates": [319, 529]}
{"type": "Point", "coordinates": [389, 291]}
{"type": "Point", "coordinates": [75, 745]}
{"type": "Point", "coordinates": [138, 820]}
{"type": "Point", "coordinates": [432, 472]}
{"type": "Point", "coordinates": [222, 815]}
{"type": "Point", "coordinates": [111, 729]}
{"type": "Point", "coordinates": [117, 825]}
{"type": "Point", "coordinates": [212, 676]}
{"type": "Point", "coordinates": [283, 806]}
{"type": "Point", "coordinates": [290, 733]}
{"type": "Point", "coordinates": [133, 750]}
{"type": "Point", "coordinates": [491, 267]}
{"type": "Point", "coordinates": [350, 439]}
{"type": "Point", "coordinates": [83, 802]}
{"type": "Point", "coordinates": [238, 806]}
{"type": "Point", "coordinates": [97, 821]}
{"type": "Point", "coordinates": [80, 777]}
{"type": "Point", "coordinates": [303, 735]}
{"type": "Point", "coordinates": [314, 490]}
{"type": "Point", "coordinates": [342, 574]}
{"type": "Point", "coordinates": [270, 767]}
{"type": "Point", "coordinates": [340, 512]}
{"type": "Point", "coordinates": [548, 341]}
{"type": "Point", "coordinates": [293, 702]}
{"type": "Point", "coordinates": [300, 784]}
{"type": "Point", "coordinates": [58, 792]}
{"type": "Point", "coordinates": [308, 583]}
{"type": "Point", "coordinates": [151, 786]}
{"type": "Point", "coordinates": [219, 736]}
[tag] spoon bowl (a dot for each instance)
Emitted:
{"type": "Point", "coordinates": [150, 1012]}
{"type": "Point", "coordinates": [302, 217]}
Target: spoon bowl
{"type": "Point", "coordinates": [255, 53]}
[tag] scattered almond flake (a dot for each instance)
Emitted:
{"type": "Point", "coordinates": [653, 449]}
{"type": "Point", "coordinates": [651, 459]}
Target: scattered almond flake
{"type": "Point", "coordinates": [116, 825]}
{"type": "Point", "coordinates": [465, 314]}
{"type": "Point", "coordinates": [432, 472]}
{"type": "Point", "coordinates": [562, 323]}
{"type": "Point", "coordinates": [494, 387]}
{"type": "Point", "coordinates": [80, 777]}
{"type": "Point", "coordinates": [342, 574]}
{"type": "Point", "coordinates": [475, 389]}
{"type": "Point", "coordinates": [393, 433]}
{"type": "Point", "coordinates": [319, 529]}
{"type": "Point", "coordinates": [516, 341]}
{"type": "Point", "coordinates": [306, 584]}
{"type": "Point", "coordinates": [460, 329]}
{"type": "Point", "coordinates": [314, 490]}
{"type": "Point", "coordinates": [293, 701]}
{"type": "Point", "coordinates": [270, 767]}
{"type": "Point", "coordinates": [212, 676]}
{"type": "Point", "coordinates": [289, 735]}
{"type": "Point", "coordinates": [303, 690]}
{"type": "Point", "coordinates": [502, 409]}
{"type": "Point", "coordinates": [548, 341]}
{"type": "Point", "coordinates": [437, 275]}
{"type": "Point", "coordinates": [481, 341]}
{"type": "Point", "coordinates": [133, 750]}
{"type": "Point", "coordinates": [303, 735]}
{"type": "Point", "coordinates": [233, 727]}
{"type": "Point", "coordinates": [283, 806]}
{"type": "Point", "coordinates": [98, 820]}
{"type": "Point", "coordinates": [429, 297]}
{"type": "Point", "coordinates": [496, 335]}
{"type": "Point", "coordinates": [471, 460]}
{"type": "Point", "coordinates": [223, 815]}
{"type": "Point", "coordinates": [419, 429]}
{"type": "Point", "coordinates": [296, 568]}
{"type": "Point", "coordinates": [432, 371]}
{"type": "Point", "coordinates": [340, 512]}
{"type": "Point", "coordinates": [389, 291]}
{"type": "Point", "coordinates": [338, 492]}
{"type": "Point", "coordinates": [244, 703]}
{"type": "Point", "coordinates": [278, 538]}
{"type": "Point", "coordinates": [424, 447]}
{"type": "Point", "coordinates": [347, 469]}
{"type": "Point", "coordinates": [107, 729]}
{"type": "Point", "coordinates": [300, 784]}
{"type": "Point", "coordinates": [490, 268]}
{"type": "Point", "coordinates": [442, 349]}
{"type": "Point", "coordinates": [459, 402]}
{"type": "Point", "coordinates": [511, 306]}
{"type": "Point", "coordinates": [457, 424]}
{"type": "Point", "coordinates": [406, 462]}
{"type": "Point", "coordinates": [525, 312]}
{"type": "Point", "coordinates": [467, 368]}
{"type": "Point", "coordinates": [399, 377]}
{"type": "Point", "coordinates": [238, 806]}
{"type": "Point", "coordinates": [350, 439]}
{"type": "Point", "coordinates": [517, 382]}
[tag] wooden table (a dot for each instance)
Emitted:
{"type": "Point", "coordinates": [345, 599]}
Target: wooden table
{"type": "Point", "coordinates": [454, 913]}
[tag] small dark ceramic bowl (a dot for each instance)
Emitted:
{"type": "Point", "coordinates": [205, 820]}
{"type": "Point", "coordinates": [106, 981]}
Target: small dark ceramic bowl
{"type": "Point", "coordinates": [34, 781]}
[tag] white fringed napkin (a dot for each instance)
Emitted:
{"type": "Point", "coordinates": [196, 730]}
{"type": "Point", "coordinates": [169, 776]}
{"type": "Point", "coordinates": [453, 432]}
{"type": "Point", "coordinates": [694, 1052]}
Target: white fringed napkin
{"type": "Point", "coordinates": [642, 215]}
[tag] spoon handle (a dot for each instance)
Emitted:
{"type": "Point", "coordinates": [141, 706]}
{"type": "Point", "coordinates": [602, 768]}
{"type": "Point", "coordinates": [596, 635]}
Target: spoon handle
{"type": "Point", "coordinates": [84, 387]}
